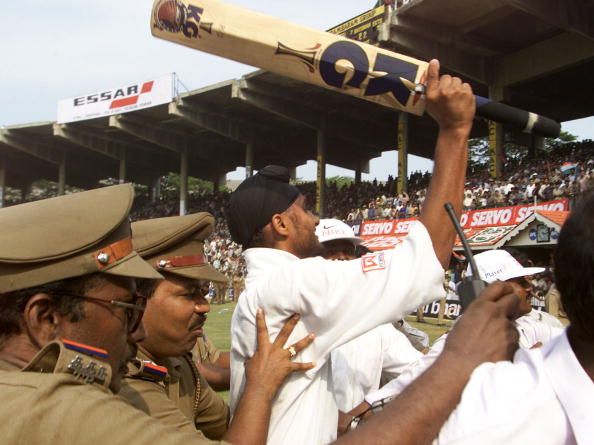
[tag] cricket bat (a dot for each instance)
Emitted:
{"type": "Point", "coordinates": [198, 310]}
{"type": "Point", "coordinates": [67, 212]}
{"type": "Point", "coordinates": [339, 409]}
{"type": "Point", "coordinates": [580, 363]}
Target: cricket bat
{"type": "Point", "coordinates": [316, 57]}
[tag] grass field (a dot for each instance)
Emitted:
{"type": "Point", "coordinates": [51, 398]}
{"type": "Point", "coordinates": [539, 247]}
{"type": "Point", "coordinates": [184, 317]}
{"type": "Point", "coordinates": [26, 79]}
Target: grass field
{"type": "Point", "coordinates": [218, 325]}
{"type": "Point", "coordinates": [219, 322]}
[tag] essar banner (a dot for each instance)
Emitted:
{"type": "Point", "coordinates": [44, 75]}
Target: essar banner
{"type": "Point", "coordinates": [134, 96]}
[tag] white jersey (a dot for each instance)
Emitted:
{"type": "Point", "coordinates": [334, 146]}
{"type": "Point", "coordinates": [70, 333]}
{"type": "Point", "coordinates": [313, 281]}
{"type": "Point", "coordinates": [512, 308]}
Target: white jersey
{"type": "Point", "coordinates": [358, 366]}
{"type": "Point", "coordinates": [410, 373]}
{"type": "Point", "coordinates": [537, 327]}
{"type": "Point", "coordinates": [337, 301]}
{"type": "Point", "coordinates": [534, 328]}
{"type": "Point", "coordinates": [543, 397]}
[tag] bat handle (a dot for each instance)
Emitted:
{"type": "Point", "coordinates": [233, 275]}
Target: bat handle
{"type": "Point", "coordinates": [526, 121]}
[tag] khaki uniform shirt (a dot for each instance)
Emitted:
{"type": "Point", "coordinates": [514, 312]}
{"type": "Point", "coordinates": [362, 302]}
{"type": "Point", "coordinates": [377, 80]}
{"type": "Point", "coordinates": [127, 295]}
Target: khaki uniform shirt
{"type": "Point", "coordinates": [205, 351]}
{"type": "Point", "coordinates": [183, 399]}
{"type": "Point", "coordinates": [47, 403]}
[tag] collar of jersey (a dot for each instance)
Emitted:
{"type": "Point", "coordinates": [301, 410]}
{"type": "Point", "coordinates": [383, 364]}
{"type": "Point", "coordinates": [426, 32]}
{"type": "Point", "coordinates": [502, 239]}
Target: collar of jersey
{"type": "Point", "coordinates": [261, 260]}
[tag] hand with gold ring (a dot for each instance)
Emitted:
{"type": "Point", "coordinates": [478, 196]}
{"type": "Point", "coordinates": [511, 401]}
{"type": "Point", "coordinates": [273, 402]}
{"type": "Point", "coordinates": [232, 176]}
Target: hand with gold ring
{"type": "Point", "coordinates": [270, 365]}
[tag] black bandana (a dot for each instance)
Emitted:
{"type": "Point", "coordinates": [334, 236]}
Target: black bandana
{"type": "Point", "coordinates": [257, 199]}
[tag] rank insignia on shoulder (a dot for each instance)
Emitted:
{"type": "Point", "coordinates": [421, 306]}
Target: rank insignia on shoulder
{"type": "Point", "coordinates": [156, 370]}
{"type": "Point", "coordinates": [88, 372]}
{"type": "Point", "coordinates": [85, 349]}
{"type": "Point", "coordinates": [147, 370]}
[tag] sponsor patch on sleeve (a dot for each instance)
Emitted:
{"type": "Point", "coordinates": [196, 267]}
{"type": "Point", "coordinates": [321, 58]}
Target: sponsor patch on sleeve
{"type": "Point", "coordinates": [373, 261]}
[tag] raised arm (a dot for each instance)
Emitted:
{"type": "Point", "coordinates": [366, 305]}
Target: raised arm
{"type": "Point", "coordinates": [451, 103]}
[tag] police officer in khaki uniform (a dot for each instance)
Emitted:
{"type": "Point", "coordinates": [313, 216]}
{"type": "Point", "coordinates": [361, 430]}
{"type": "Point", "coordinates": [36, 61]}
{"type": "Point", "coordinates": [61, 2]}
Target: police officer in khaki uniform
{"type": "Point", "coordinates": [174, 319]}
{"type": "Point", "coordinates": [70, 319]}
{"type": "Point", "coordinates": [238, 282]}
{"type": "Point", "coordinates": [205, 352]}
{"type": "Point", "coordinates": [65, 273]}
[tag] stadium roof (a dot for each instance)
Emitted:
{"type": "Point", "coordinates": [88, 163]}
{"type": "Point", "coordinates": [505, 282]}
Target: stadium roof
{"type": "Point", "coordinates": [533, 54]}
{"type": "Point", "coordinates": [278, 116]}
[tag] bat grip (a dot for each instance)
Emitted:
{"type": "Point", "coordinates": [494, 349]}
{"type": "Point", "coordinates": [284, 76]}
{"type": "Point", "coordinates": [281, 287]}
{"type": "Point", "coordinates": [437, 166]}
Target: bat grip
{"type": "Point", "coordinates": [528, 122]}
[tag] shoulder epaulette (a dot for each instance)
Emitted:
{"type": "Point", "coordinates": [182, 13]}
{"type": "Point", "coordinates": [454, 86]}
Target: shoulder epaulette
{"type": "Point", "coordinates": [86, 363]}
{"type": "Point", "coordinates": [146, 370]}
{"type": "Point", "coordinates": [85, 349]}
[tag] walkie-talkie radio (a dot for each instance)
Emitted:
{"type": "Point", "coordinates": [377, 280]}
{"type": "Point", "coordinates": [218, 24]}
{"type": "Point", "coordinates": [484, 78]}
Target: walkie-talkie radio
{"type": "Point", "coordinates": [468, 289]}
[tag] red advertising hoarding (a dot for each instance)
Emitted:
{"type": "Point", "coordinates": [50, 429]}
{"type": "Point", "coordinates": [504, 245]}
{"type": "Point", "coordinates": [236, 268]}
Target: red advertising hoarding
{"type": "Point", "coordinates": [481, 227]}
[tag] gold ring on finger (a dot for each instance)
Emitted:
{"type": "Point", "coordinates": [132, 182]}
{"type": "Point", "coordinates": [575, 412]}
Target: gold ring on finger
{"type": "Point", "coordinates": [292, 352]}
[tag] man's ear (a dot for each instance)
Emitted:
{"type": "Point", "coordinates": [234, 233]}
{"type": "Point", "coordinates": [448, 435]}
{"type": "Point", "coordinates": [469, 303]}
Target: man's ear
{"type": "Point", "coordinates": [279, 224]}
{"type": "Point", "coordinates": [41, 321]}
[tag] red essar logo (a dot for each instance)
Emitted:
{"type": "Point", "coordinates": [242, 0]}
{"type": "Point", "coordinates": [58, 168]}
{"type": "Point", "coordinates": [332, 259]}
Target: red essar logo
{"type": "Point", "coordinates": [131, 100]}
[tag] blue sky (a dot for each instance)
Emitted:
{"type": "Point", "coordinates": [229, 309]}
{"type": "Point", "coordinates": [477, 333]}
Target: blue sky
{"type": "Point", "coordinates": [56, 49]}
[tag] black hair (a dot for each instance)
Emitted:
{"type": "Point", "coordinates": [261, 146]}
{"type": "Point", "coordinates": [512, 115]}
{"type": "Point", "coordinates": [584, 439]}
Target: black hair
{"type": "Point", "coordinates": [574, 267]}
{"type": "Point", "coordinates": [12, 304]}
{"type": "Point", "coordinates": [146, 286]}
{"type": "Point", "coordinates": [257, 240]}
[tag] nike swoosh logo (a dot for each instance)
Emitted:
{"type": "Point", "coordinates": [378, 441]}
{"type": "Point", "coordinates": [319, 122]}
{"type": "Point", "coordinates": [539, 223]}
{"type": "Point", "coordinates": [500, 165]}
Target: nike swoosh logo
{"type": "Point", "coordinates": [327, 227]}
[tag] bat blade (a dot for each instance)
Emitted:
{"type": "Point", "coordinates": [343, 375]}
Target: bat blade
{"type": "Point", "coordinates": [316, 57]}
{"type": "Point", "coordinates": [294, 51]}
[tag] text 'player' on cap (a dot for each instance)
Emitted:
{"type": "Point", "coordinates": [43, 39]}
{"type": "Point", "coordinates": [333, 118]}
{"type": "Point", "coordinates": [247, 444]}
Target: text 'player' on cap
{"type": "Point", "coordinates": [496, 265]}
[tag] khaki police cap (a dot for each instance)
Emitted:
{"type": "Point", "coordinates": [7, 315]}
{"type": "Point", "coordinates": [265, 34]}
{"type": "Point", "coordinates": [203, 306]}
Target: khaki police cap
{"type": "Point", "coordinates": [176, 245]}
{"type": "Point", "coordinates": [69, 236]}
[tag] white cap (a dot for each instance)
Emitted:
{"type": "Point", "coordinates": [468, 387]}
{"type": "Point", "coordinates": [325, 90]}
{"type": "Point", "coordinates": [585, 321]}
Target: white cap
{"type": "Point", "coordinates": [334, 229]}
{"type": "Point", "coordinates": [500, 265]}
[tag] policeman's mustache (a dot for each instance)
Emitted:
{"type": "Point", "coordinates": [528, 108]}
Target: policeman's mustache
{"type": "Point", "coordinates": [200, 320]}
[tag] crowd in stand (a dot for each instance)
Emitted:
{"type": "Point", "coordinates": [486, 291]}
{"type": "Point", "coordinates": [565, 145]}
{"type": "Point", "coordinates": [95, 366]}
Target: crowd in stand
{"type": "Point", "coordinates": [103, 319]}
{"type": "Point", "coordinates": [565, 172]}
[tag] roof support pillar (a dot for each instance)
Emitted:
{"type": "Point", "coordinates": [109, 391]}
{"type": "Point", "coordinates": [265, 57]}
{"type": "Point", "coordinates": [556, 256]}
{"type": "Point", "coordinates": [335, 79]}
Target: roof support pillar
{"type": "Point", "coordinates": [25, 188]}
{"type": "Point", "coordinates": [293, 172]}
{"type": "Point", "coordinates": [249, 160]}
{"type": "Point", "coordinates": [321, 172]}
{"type": "Point", "coordinates": [122, 169]}
{"type": "Point", "coordinates": [219, 181]}
{"type": "Point", "coordinates": [183, 181]}
{"type": "Point", "coordinates": [155, 187]}
{"type": "Point", "coordinates": [402, 153]}
{"type": "Point", "coordinates": [537, 146]}
{"type": "Point", "coordinates": [62, 175]}
{"type": "Point", "coordinates": [496, 149]}
{"type": "Point", "coordinates": [496, 142]}
{"type": "Point", "coordinates": [2, 183]}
